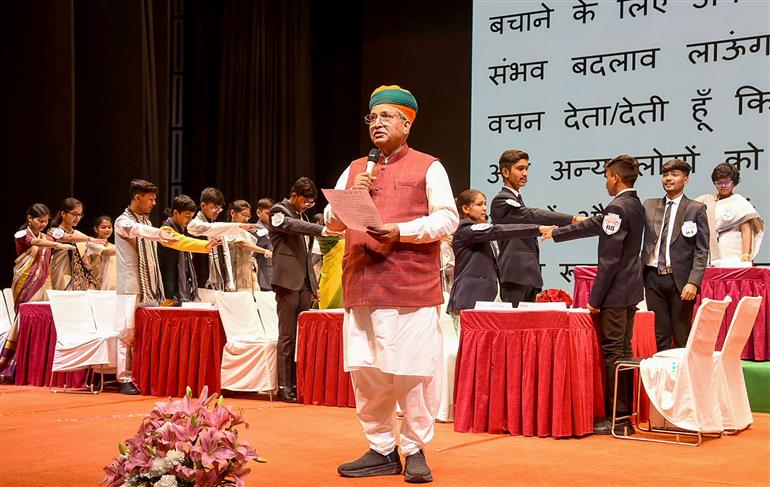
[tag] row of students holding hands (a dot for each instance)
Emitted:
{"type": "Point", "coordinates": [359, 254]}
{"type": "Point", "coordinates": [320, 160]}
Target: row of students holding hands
{"type": "Point", "coordinates": [658, 249]}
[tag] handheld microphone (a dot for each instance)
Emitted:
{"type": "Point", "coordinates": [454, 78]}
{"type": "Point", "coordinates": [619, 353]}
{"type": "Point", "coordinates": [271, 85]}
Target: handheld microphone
{"type": "Point", "coordinates": [371, 160]}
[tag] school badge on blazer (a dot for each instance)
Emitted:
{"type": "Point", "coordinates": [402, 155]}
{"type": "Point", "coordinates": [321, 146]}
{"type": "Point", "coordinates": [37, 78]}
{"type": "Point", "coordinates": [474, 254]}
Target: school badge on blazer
{"type": "Point", "coordinates": [277, 219]}
{"type": "Point", "coordinates": [611, 223]}
{"type": "Point", "coordinates": [689, 229]}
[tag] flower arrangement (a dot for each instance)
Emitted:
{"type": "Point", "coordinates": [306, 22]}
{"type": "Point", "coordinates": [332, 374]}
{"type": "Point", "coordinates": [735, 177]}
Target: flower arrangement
{"type": "Point", "coordinates": [554, 296]}
{"type": "Point", "coordinates": [184, 443]}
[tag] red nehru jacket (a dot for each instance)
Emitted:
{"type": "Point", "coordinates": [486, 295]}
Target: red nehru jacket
{"type": "Point", "coordinates": [395, 274]}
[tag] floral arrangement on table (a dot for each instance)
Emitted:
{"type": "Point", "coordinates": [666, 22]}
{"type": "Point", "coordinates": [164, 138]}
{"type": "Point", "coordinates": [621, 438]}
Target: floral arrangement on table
{"type": "Point", "coordinates": [184, 443]}
{"type": "Point", "coordinates": [554, 296]}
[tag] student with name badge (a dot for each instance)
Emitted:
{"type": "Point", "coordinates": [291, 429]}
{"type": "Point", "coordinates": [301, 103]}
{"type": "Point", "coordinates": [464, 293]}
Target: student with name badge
{"type": "Point", "coordinates": [675, 254]}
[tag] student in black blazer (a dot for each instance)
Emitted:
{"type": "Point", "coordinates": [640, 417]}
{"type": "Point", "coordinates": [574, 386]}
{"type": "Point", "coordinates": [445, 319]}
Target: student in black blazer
{"type": "Point", "coordinates": [618, 285]}
{"type": "Point", "coordinates": [675, 254]}
{"type": "Point", "coordinates": [475, 277]}
{"type": "Point", "coordinates": [293, 278]}
{"type": "Point", "coordinates": [519, 259]}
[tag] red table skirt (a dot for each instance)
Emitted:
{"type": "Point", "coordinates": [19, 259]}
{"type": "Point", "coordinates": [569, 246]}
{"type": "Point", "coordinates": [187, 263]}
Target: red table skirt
{"type": "Point", "coordinates": [531, 372]}
{"type": "Point", "coordinates": [717, 283]}
{"type": "Point", "coordinates": [35, 350]}
{"type": "Point", "coordinates": [176, 348]}
{"type": "Point", "coordinates": [321, 379]}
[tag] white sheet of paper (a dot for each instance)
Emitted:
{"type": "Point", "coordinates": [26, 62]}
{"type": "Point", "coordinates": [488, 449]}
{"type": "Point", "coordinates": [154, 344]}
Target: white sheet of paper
{"type": "Point", "coordinates": [354, 207]}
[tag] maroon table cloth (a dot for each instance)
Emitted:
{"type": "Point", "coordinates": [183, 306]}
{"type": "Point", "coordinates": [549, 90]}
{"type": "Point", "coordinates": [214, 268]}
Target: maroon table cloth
{"type": "Point", "coordinates": [175, 348]}
{"type": "Point", "coordinates": [532, 372]}
{"type": "Point", "coordinates": [321, 379]}
{"type": "Point", "coordinates": [35, 349]}
{"type": "Point", "coordinates": [717, 283]}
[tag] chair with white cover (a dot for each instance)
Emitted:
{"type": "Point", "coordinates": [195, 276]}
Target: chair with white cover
{"type": "Point", "coordinates": [9, 303]}
{"type": "Point", "coordinates": [103, 305]}
{"type": "Point", "coordinates": [451, 344]}
{"type": "Point", "coordinates": [268, 313]}
{"type": "Point", "coordinates": [728, 370]}
{"type": "Point", "coordinates": [681, 385]}
{"type": "Point", "coordinates": [79, 344]}
{"type": "Point", "coordinates": [249, 356]}
{"type": "Point", "coordinates": [5, 319]}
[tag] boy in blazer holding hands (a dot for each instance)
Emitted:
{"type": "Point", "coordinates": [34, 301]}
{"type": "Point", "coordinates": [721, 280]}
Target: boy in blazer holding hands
{"type": "Point", "coordinates": [618, 285]}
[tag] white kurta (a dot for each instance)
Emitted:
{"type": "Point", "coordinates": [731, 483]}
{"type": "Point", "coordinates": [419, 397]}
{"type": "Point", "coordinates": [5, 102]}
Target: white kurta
{"type": "Point", "coordinates": [127, 259]}
{"type": "Point", "coordinates": [395, 354]}
{"type": "Point", "coordinates": [395, 340]}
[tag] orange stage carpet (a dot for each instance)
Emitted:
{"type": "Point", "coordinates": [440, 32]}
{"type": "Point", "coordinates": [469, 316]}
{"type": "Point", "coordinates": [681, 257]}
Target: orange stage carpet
{"type": "Point", "coordinates": [64, 440]}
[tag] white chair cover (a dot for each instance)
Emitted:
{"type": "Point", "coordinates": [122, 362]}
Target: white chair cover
{"type": "Point", "coordinates": [78, 343]}
{"type": "Point", "coordinates": [447, 371]}
{"type": "Point", "coordinates": [207, 295]}
{"type": "Point", "coordinates": [681, 387]}
{"type": "Point", "coordinates": [268, 313]}
{"type": "Point", "coordinates": [5, 318]}
{"type": "Point", "coordinates": [103, 306]}
{"type": "Point", "coordinates": [728, 371]}
{"type": "Point", "coordinates": [249, 356]}
{"type": "Point", "coordinates": [9, 303]}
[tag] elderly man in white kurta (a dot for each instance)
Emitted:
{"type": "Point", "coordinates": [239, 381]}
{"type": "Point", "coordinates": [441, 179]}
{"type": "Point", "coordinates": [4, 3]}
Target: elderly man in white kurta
{"type": "Point", "coordinates": [392, 291]}
{"type": "Point", "coordinates": [138, 271]}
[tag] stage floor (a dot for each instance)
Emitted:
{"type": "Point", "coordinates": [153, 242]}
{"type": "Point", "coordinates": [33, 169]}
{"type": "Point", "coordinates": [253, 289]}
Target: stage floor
{"type": "Point", "coordinates": [64, 440]}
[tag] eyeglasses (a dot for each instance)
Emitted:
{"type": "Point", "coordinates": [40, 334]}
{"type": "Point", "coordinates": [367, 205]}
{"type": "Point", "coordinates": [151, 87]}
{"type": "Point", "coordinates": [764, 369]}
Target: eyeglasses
{"type": "Point", "coordinates": [309, 204]}
{"type": "Point", "coordinates": [216, 209]}
{"type": "Point", "coordinates": [76, 215]}
{"type": "Point", "coordinates": [723, 184]}
{"type": "Point", "coordinates": [385, 117]}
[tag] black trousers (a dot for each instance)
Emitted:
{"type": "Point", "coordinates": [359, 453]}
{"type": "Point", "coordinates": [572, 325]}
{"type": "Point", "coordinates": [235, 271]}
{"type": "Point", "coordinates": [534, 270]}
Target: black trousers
{"type": "Point", "coordinates": [617, 331]}
{"type": "Point", "coordinates": [673, 317]}
{"type": "Point", "coordinates": [289, 305]}
{"type": "Point", "coordinates": [516, 293]}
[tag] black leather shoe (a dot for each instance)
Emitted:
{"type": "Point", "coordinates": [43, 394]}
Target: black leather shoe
{"type": "Point", "coordinates": [622, 428]}
{"type": "Point", "coordinates": [286, 394]}
{"type": "Point", "coordinates": [128, 388]}
{"type": "Point", "coordinates": [372, 464]}
{"type": "Point", "coordinates": [417, 470]}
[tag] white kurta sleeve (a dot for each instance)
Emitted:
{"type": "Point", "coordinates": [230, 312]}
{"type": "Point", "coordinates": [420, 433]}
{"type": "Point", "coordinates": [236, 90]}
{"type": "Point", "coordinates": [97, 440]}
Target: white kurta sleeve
{"type": "Point", "coordinates": [442, 218]}
{"type": "Point", "coordinates": [130, 229]}
{"type": "Point", "coordinates": [329, 217]}
{"type": "Point", "coordinates": [198, 228]}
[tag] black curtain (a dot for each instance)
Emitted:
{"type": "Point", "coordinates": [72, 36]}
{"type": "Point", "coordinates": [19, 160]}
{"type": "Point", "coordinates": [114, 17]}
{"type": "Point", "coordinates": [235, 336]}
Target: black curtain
{"type": "Point", "coordinates": [86, 108]}
{"type": "Point", "coordinates": [273, 90]}
{"type": "Point", "coordinates": [247, 108]}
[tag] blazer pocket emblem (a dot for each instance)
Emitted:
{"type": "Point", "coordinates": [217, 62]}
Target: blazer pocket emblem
{"type": "Point", "coordinates": [513, 203]}
{"type": "Point", "coordinates": [479, 227]}
{"type": "Point", "coordinates": [689, 229]}
{"type": "Point", "coordinates": [611, 223]}
{"type": "Point", "coordinates": [277, 219]}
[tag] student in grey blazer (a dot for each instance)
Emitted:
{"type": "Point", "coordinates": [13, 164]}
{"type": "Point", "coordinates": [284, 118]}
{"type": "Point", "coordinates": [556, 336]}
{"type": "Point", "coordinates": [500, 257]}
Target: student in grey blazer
{"type": "Point", "coordinates": [293, 278]}
{"type": "Point", "coordinates": [675, 254]}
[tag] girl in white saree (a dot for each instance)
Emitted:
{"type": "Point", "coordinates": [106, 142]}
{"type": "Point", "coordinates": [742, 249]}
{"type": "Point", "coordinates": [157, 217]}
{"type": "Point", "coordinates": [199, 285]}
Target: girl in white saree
{"type": "Point", "coordinates": [736, 227]}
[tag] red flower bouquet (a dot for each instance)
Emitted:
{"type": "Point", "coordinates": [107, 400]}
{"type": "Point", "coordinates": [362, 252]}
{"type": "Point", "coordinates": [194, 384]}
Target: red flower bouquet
{"type": "Point", "coordinates": [554, 296]}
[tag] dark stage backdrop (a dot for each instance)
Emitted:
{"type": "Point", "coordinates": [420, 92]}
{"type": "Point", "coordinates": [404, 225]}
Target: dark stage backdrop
{"type": "Point", "coordinates": [271, 91]}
